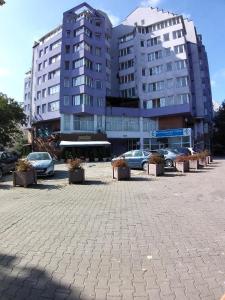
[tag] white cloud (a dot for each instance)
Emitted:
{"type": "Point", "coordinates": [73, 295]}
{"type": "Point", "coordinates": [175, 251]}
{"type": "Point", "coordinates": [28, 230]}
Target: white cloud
{"type": "Point", "coordinates": [114, 19]}
{"type": "Point", "coordinates": [152, 3]}
{"type": "Point", "coordinates": [186, 16]}
{"type": "Point", "coordinates": [4, 72]}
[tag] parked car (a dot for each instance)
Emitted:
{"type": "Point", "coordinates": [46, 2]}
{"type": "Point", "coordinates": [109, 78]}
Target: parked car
{"type": "Point", "coordinates": [184, 150]}
{"type": "Point", "coordinates": [136, 159]}
{"type": "Point", "coordinates": [42, 162]}
{"type": "Point", "coordinates": [7, 162]}
{"type": "Point", "coordinates": [170, 156]}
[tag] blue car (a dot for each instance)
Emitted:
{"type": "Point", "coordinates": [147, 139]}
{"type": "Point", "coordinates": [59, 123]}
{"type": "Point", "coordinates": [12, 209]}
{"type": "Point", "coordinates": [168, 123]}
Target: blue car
{"type": "Point", "coordinates": [42, 163]}
{"type": "Point", "coordinates": [136, 159]}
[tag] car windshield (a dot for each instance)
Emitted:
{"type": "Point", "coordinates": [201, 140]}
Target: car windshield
{"type": "Point", "coordinates": [38, 156]}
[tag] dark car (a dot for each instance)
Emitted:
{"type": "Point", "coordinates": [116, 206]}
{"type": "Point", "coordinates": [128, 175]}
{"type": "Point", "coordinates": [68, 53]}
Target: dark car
{"type": "Point", "coordinates": [7, 162]}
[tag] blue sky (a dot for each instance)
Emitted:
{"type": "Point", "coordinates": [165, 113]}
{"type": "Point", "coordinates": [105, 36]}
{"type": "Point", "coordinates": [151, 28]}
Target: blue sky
{"type": "Point", "coordinates": [23, 21]}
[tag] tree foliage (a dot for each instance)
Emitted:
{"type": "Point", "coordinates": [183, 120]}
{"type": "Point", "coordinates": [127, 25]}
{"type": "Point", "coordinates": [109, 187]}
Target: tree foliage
{"type": "Point", "coordinates": [2, 2]}
{"type": "Point", "coordinates": [219, 128]}
{"type": "Point", "coordinates": [12, 118]}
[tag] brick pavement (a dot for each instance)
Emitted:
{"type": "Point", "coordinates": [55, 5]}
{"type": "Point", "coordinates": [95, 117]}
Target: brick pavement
{"type": "Point", "coordinates": [148, 238]}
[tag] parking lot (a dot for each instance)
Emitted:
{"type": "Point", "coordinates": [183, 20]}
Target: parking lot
{"type": "Point", "coordinates": [147, 238]}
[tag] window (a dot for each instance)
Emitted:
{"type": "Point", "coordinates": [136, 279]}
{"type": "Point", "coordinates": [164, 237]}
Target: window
{"type": "Point", "coordinates": [169, 67]}
{"type": "Point", "coordinates": [43, 108]}
{"type": "Point", "coordinates": [156, 70]}
{"type": "Point", "coordinates": [97, 51]}
{"type": "Point", "coordinates": [155, 55]}
{"type": "Point", "coordinates": [98, 67]}
{"type": "Point", "coordinates": [126, 78]}
{"type": "Point", "coordinates": [38, 109]}
{"type": "Point", "coordinates": [67, 49]}
{"type": "Point", "coordinates": [100, 102]}
{"type": "Point", "coordinates": [98, 84]}
{"type": "Point", "coordinates": [53, 106]}
{"type": "Point", "coordinates": [126, 64]}
{"type": "Point", "coordinates": [84, 123]}
{"type": "Point", "coordinates": [40, 67]}
{"type": "Point", "coordinates": [45, 63]}
{"type": "Point", "coordinates": [143, 72]}
{"type": "Point", "coordinates": [66, 100]}
{"type": "Point", "coordinates": [66, 82]}
{"type": "Point", "coordinates": [38, 95]}
{"type": "Point", "coordinates": [98, 23]}
{"type": "Point", "coordinates": [178, 34]}
{"type": "Point", "coordinates": [55, 44]}
{"type": "Point", "coordinates": [126, 51]}
{"type": "Point", "coordinates": [40, 53]}
{"type": "Point", "coordinates": [67, 64]}
{"type": "Point", "coordinates": [180, 64]}
{"type": "Point", "coordinates": [142, 22]}
{"type": "Point", "coordinates": [167, 51]}
{"type": "Point", "coordinates": [169, 83]}
{"type": "Point", "coordinates": [179, 49]}
{"type": "Point", "coordinates": [53, 74]}
{"type": "Point", "coordinates": [127, 93]}
{"type": "Point", "coordinates": [82, 80]}
{"type": "Point", "coordinates": [44, 77]}
{"type": "Point", "coordinates": [68, 33]}
{"type": "Point", "coordinates": [182, 99]}
{"type": "Point", "coordinates": [82, 62]}
{"type": "Point", "coordinates": [82, 99]}
{"type": "Point", "coordinates": [44, 93]}
{"type": "Point", "coordinates": [66, 121]}
{"type": "Point", "coordinates": [142, 43]}
{"type": "Point", "coordinates": [46, 50]}
{"type": "Point", "coordinates": [39, 80]}
{"type": "Point", "coordinates": [54, 59]}
{"type": "Point", "coordinates": [153, 41]}
{"type": "Point", "coordinates": [144, 85]}
{"type": "Point", "coordinates": [53, 89]}
{"type": "Point", "coordinates": [156, 86]}
{"type": "Point", "coordinates": [166, 37]}
{"type": "Point", "coordinates": [181, 82]}
{"type": "Point", "coordinates": [97, 36]}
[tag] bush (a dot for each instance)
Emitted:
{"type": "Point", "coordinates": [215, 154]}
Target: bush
{"type": "Point", "coordinates": [119, 163]}
{"type": "Point", "coordinates": [193, 157]}
{"type": "Point", "coordinates": [23, 165]}
{"type": "Point", "coordinates": [75, 164]}
{"type": "Point", "coordinates": [156, 159]}
{"type": "Point", "coordinates": [181, 158]}
{"type": "Point", "coordinates": [202, 155]}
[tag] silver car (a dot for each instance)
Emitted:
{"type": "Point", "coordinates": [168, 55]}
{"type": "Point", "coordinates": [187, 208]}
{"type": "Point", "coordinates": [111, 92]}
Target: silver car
{"type": "Point", "coordinates": [136, 159]}
{"type": "Point", "coordinates": [170, 156]}
{"type": "Point", "coordinates": [42, 162]}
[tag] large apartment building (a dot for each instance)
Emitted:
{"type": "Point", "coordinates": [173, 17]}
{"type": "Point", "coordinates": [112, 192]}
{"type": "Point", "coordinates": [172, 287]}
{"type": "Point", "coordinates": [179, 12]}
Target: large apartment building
{"type": "Point", "coordinates": [144, 83]}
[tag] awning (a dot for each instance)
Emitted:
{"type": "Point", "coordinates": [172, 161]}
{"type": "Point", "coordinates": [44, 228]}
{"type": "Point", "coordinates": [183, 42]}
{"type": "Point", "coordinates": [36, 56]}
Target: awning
{"type": "Point", "coordinates": [84, 143]}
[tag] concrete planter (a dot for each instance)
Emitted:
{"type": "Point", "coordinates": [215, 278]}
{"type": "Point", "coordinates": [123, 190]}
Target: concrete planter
{"type": "Point", "coordinates": [208, 159]}
{"type": "Point", "coordinates": [194, 164]}
{"type": "Point", "coordinates": [121, 173]}
{"type": "Point", "coordinates": [104, 159]}
{"type": "Point", "coordinates": [182, 166]}
{"type": "Point", "coordinates": [76, 176]}
{"type": "Point", "coordinates": [87, 160]}
{"type": "Point", "coordinates": [155, 169]}
{"type": "Point", "coordinates": [24, 178]}
{"type": "Point", "coordinates": [96, 159]}
{"type": "Point", "coordinates": [202, 162]}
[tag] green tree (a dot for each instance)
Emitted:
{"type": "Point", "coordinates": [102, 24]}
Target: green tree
{"type": "Point", "coordinates": [12, 118]}
{"type": "Point", "coordinates": [2, 2]}
{"type": "Point", "coordinates": [219, 129]}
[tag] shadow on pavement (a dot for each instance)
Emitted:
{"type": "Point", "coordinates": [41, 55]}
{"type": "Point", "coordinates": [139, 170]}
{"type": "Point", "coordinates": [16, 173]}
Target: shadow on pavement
{"type": "Point", "coordinates": [138, 179]}
{"type": "Point", "coordinates": [30, 283]}
{"type": "Point", "coordinates": [172, 174]}
{"type": "Point", "coordinates": [4, 186]}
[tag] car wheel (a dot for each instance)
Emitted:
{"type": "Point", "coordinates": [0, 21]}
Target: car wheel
{"type": "Point", "coordinates": [168, 163]}
{"type": "Point", "coordinates": [145, 166]}
{"type": "Point", "coordinates": [1, 174]}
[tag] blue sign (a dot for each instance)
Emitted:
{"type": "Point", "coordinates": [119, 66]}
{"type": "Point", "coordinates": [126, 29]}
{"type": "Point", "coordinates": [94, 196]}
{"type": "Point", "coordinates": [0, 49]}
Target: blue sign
{"type": "Point", "coordinates": [171, 132]}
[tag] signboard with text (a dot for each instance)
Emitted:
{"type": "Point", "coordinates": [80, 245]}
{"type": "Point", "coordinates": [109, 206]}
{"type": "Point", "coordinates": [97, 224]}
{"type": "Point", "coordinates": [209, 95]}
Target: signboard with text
{"type": "Point", "coordinates": [171, 132]}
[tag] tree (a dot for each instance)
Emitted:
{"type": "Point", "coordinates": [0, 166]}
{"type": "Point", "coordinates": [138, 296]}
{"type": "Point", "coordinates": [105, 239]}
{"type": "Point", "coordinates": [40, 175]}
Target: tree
{"type": "Point", "coordinates": [2, 2]}
{"type": "Point", "coordinates": [219, 130]}
{"type": "Point", "coordinates": [12, 118]}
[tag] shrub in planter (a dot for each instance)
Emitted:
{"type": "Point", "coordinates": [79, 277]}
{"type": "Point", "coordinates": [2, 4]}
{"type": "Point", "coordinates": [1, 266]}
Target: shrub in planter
{"type": "Point", "coordinates": [182, 164]}
{"type": "Point", "coordinates": [208, 157]}
{"type": "Point", "coordinates": [76, 171]}
{"type": "Point", "coordinates": [120, 169]}
{"type": "Point", "coordinates": [193, 161]}
{"type": "Point", "coordinates": [156, 165]}
{"type": "Point", "coordinates": [25, 174]}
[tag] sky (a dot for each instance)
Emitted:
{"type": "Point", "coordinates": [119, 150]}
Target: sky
{"type": "Point", "coordinates": [24, 21]}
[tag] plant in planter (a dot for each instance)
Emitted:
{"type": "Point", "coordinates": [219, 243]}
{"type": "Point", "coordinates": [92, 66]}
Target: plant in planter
{"type": "Point", "coordinates": [76, 171]}
{"type": "Point", "coordinates": [182, 163]}
{"type": "Point", "coordinates": [193, 161]}
{"type": "Point", "coordinates": [120, 169]}
{"type": "Point", "coordinates": [202, 159]}
{"type": "Point", "coordinates": [156, 165]}
{"type": "Point", "coordinates": [208, 157]}
{"type": "Point", "coordinates": [25, 174]}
